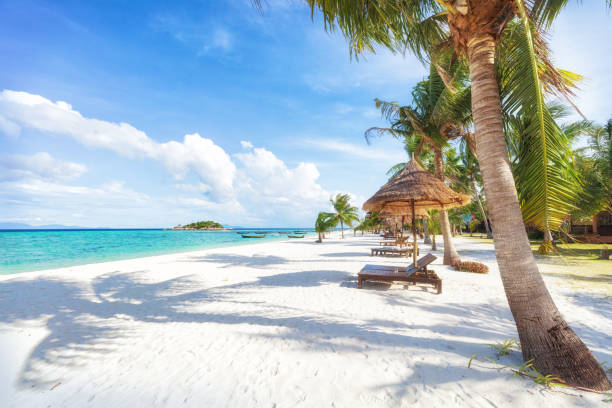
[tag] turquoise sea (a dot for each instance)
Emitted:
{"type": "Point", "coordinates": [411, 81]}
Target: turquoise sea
{"type": "Point", "coordinates": [33, 250]}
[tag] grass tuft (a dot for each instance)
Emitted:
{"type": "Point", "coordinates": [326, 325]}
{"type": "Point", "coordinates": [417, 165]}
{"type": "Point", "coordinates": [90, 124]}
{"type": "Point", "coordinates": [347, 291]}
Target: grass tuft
{"type": "Point", "coordinates": [505, 348]}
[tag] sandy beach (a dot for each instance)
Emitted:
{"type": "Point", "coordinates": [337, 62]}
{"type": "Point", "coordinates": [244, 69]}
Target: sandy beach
{"type": "Point", "coordinates": [277, 324]}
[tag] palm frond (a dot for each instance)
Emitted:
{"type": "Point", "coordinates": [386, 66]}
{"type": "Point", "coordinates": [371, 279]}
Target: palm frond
{"type": "Point", "coordinates": [546, 181]}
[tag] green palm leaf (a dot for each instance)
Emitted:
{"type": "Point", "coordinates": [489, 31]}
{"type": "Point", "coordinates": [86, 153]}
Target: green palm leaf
{"type": "Point", "coordinates": [546, 182]}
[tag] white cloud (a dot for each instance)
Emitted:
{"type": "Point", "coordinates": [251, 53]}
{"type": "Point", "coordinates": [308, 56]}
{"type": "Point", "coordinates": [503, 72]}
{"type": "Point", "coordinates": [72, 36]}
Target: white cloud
{"type": "Point", "coordinates": [265, 179]}
{"type": "Point", "coordinates": [38, 188]}
{"type": "Point", "coordinates": [246, 144]}
{"type": "Point", "coordinates": [361, 151]}
{"type": "Point", "coordinates": [9, 128]}
{"type": "Point", "coordinates": [40, 165]}
{"type": "Point", "coordinates": [194, 34]}
{"type": "Point", "coordinates": [222, 39]}
{"type": "Point", "coordinates": [254, 188]}
{"type": "Point", "coordinates": [193, 188]}
{"type": "Point", "coordinates": [195, 153]}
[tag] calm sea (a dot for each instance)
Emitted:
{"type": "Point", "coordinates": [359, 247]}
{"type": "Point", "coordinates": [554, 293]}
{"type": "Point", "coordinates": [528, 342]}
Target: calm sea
{"type": "Point", "coordinates": [33, 250]}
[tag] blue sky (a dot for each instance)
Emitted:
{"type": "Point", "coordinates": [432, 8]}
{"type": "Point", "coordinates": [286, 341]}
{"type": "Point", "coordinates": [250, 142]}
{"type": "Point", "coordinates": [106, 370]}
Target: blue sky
{"type": "Point", "coordinates": [148, 114]}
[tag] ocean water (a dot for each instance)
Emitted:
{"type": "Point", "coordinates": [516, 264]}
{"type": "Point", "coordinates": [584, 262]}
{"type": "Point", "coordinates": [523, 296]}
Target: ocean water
{"type": "Point", "coordinates": [33, 250]}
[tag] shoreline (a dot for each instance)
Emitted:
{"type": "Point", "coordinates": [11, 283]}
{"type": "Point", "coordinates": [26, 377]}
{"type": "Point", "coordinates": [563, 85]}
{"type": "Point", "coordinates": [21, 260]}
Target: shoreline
{"type": "Point", "coordinates": [144, 255]}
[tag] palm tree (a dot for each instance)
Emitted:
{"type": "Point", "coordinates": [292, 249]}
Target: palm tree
{"type": "Point", "coordinates": [595, 164]}
{"type": "Point", "coordinates": [345, 213]}
{"type": "Point", "coordinates": [475, 28]}
{"type": "Point", "coordinates": [434, 227]}
{"type": "Point", "coordinates": [325, 221]}
{"type": "Point", "coordinates": [472, 173]}
{"type": "Point", "coordinates": [433, 119]}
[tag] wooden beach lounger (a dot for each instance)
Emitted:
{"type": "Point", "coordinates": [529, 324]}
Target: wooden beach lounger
{"type": "Point", "coordinates": [392, 251]}
{"type": "Point", "coordinates": [399, 241]}
{"type": "Point", "coordinates": [411, 274]}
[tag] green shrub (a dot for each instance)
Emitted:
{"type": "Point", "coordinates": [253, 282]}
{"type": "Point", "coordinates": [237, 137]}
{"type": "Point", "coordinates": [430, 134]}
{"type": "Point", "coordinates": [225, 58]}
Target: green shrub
{"type": "Point", "coordinates": [469, 266]}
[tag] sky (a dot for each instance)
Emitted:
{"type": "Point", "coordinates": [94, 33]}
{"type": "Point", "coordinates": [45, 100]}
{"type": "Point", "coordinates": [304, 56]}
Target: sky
{"type": "Point", "coordinates": [158, 113]}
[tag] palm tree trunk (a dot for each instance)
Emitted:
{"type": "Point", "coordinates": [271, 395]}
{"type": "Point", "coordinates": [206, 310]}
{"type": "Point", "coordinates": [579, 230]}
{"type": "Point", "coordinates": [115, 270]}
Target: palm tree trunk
{"type": "Point", "coordinates": [320, 238]}
{"type": "Point", "coordinates": [482, 211]}
{"type": "Point", "coordinates": [433, 243]}
{"type": "Point", "coordinates": [427, 239]}
{"type": "Point", "coordinates": [450, 254]}
{"type": "Point", "coordinates": [342, 228]}
{"type": "Point", "coordinates": [544, 334]}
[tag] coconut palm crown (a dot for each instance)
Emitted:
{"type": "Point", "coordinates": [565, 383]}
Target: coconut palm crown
{"type": "Point", "coordinates": [344, 213]}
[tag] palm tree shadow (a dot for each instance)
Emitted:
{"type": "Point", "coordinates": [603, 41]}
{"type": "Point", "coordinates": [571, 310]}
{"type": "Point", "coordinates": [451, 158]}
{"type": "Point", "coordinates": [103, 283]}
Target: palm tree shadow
{"type": "Point", "coordinates": [345, 254]}
{"type": "Point", "coordinates": [232, 260]}
{"type": "Point", "coordinates": [86, 322]}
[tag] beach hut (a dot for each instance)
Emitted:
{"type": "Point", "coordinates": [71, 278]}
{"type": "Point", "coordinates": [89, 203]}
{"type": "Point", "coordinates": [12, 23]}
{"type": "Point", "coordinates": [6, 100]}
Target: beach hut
{"type": "Point", "coordinates": [413, 192]}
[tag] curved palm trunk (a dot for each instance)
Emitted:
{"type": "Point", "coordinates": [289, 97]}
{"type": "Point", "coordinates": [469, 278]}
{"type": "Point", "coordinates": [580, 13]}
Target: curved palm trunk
{"type": "Point", "coordinates": [427, 239]}
{"type": "Point", "coordinates": [450, 254]}
{"type": "Point", "coordinates": [544, 334]}
{"type": "Point", "coordinates": [482, 211]}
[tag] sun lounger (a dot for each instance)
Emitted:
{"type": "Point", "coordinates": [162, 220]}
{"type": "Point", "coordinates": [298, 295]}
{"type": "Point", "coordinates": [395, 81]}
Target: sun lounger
{"type": "Point", "coordinates": [396, 241]}
{"type": "Point", "coordinates": [391, 251]}
{"type": "Point", "coordinates": [410, 274]}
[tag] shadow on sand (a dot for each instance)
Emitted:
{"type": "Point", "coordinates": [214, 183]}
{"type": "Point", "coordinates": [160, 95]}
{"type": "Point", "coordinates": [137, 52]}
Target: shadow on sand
{"type": "Point", "coordinates": [87, 321]}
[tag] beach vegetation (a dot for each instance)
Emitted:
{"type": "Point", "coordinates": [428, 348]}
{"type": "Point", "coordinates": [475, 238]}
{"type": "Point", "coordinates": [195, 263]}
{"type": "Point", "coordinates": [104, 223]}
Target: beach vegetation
{"type": "Point", "coordinates": [433, 225]}
{"type": "Point", "coordinates": [505, 347]}
{"type": "Point", "coordinates": [495, 39]}
{"type": "Point", "coordinates": [325, 222]}
{"type": "Point", "coordinates": [594, 163]}
{"type": "Point", "coordinates": [547, 180]}
{"type": "Point", "coordinates": [201, 225]}
{"type": "Point", "coordinates": [344, 212]}
{"type": "Point", "coordinates": [470, 266]}
{"type": "Point", "coordinates": [372, 222]}
{"type": "Point", "coordinates": [436, 116]}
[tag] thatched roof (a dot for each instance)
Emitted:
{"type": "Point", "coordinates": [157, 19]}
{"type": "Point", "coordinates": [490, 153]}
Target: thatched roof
{"type": "Point", "coordinates": [397, 212]}
{"type": "Point", "coordinates": [414, 183]}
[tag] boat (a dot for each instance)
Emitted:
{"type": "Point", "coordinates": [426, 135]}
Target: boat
{"type": "Point", "coordinates": [296, 236]}
{"type": "Point", "coordinates": [252, 236]}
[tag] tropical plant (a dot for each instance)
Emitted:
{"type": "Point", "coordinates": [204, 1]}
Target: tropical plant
{"type": "Point", "coordinates": [433, 224]}
{"type": "Point", "coordinates": [595, 164]}
{"type": "Point", "coordinates": [434, 118]}
{"type": "Point", "coordinates": [325, 221]}
{"type": "Point", "coordinates": [548, 184]}
{"type": "Point", "coordinates": [475, 29]}
{"type": "Point", "coordinates": [471, 173]}
{"type": "Point", "coordinates": [344, 213]}
{"type": "Point", "coordinates": [472, 225]}
{"type": "Point", "coordinates": [203, 225]}
{"type": "Point", "coordinates": [456, 220]}
{"type": "Point", "coordinates": [369, 223]}
{"type": "Point", "coordinates": [469, 266]}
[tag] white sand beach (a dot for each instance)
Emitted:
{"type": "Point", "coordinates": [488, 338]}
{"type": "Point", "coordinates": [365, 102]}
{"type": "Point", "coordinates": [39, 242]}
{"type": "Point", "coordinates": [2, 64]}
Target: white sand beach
{"type": "Point", "coordinates": [277, 324]}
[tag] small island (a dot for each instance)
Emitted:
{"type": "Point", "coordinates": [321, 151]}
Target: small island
{"type": "Point", "coordinates": [200, 225]}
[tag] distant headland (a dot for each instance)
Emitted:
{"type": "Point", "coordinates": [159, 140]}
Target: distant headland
{"type": "Point", "coordinates": [200, 225]}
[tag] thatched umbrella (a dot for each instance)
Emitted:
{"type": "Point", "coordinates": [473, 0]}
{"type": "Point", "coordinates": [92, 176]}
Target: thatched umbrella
{"type": "Point", "coordinates": [412, 192]}
{"type": "Point", "coordinates": [393, 217]}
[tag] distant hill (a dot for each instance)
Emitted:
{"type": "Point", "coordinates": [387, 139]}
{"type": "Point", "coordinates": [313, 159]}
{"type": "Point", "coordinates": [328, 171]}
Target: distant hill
{"type": "Point", "coordinates": [200, 225]}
